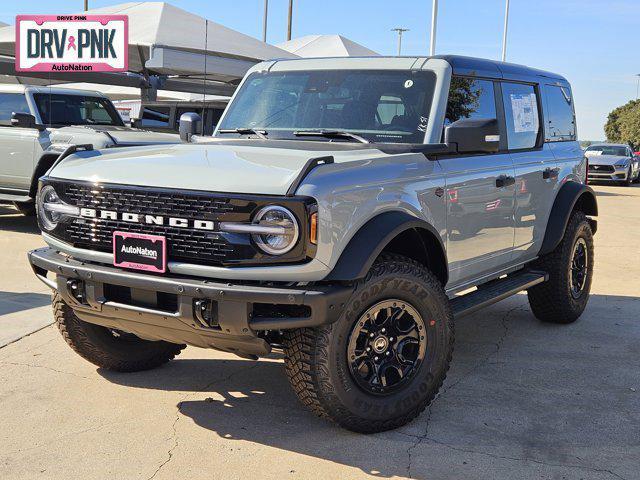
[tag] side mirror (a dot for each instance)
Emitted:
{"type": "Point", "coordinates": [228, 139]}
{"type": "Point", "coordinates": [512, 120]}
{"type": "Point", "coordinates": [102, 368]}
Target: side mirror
{"type": "Point", "coordinates": [190, 125]}
{"type": "Point", "coordinates": [473, 135]}
{"type": "Point", "coordinates": [136, 123]}
{"type": "Point", "coordinates": [24, 120]}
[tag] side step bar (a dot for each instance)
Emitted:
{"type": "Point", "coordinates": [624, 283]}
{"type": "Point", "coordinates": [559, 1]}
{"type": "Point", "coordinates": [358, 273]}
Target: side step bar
{"type": "Point", "coordinates": [10, 197]}
{"type": "Point", "coordinates": [496, 290]}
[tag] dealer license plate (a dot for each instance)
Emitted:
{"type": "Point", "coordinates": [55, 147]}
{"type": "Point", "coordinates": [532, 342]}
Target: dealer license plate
{"type": "Point", "coordinates": [139, 251]}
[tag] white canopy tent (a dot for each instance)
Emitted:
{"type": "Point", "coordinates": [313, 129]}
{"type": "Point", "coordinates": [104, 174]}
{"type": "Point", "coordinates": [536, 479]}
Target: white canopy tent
{"type": "Point", "coordinates": [169, 48]}
{"type": "Point", "coordinates": [311, 46]}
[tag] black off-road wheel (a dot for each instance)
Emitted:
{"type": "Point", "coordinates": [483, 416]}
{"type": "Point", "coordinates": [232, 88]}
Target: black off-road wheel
{"type": "Point", "coordinates": [110, 349]}
{"type": "Point", "coordinates": [384, 360]}
{"type": "Point", "coordinates": [28, 209]}
{"type": "Point", "coordinates": [563, 298]}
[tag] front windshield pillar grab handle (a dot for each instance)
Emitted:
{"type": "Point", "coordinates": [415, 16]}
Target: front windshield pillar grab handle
{"type": "Point", "coordinates": [310, 165]}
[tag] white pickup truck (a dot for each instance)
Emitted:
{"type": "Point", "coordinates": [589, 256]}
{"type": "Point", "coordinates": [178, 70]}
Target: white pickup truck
{"type": "Point", "coordinates": [37, 124]}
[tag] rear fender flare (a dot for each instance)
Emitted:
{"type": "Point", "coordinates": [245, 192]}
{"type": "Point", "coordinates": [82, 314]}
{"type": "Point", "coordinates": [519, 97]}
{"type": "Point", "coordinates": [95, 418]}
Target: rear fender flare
{"type": "Point", "coordinates": [571, 195]}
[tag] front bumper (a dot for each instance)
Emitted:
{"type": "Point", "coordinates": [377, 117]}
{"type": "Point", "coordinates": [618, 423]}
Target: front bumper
{"type": "Point", "coordinates": [165, 307]}
{"type": "Point", "coordinates": [602, 173]}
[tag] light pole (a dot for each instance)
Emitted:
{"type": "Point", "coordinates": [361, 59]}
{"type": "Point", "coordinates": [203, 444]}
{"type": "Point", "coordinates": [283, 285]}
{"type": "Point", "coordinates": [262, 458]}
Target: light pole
{"type": "Point", "coordinates": [637, 85]}
{"type": "Point", "coordinates": [264, 21]}
{"type": "Point", "coordinates": [289, 20]}
{"type": "Point", "coordinates": [86, 5]}
{"type": "Point", "coordinates": [504, 35]}
{"type": "Point", "coordinates": [434, 21]}
{"type": "Point", "coordinates": [400, 32]}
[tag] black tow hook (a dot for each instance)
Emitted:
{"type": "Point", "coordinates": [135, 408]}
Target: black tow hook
{"type": "Point", "coordinates": [206, 312]}
{"type": "Point", "coordinates": [77, 290]}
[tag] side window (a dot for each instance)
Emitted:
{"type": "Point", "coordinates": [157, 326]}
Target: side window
{"type": "Point", "coordinates": [470, 98]}
{"type": "Point", "coordinates": [155, 117]}
{"type": "Point", "coordinates": [9, 103]}
{"type": "Point", "coordinates": [561, 123]}
{"type": "Point", "coordinates": [521, 115]}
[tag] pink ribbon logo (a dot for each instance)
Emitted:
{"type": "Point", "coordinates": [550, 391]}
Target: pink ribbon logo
{"type": "Point", "coordinates": [72, 43]}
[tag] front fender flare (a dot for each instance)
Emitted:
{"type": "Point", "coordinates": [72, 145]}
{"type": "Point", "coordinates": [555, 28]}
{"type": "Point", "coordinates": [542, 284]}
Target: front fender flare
{"type": "Point", "coordinates": [367, 244]}
{"type": "Point", "coordinates": [571, 194]}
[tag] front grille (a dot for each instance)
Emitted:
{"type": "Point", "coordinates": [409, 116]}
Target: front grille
{"type": "Point", "coordinates": [601, 168]}
{"type": "Point", "coordinates": [183, 244]}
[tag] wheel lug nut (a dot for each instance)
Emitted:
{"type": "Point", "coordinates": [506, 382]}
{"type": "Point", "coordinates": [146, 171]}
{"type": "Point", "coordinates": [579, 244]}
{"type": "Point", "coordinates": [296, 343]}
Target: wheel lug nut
{"type": "Point", "coordinates": [368, 349]}
{"type": "Point", "coordinates": [375, 358]}
{"type": "Point", "coordinates": [391, 339]}
{"type": "Point", "coordinates": [384, 330]}
{"type": "Point", "coordinates": [371, 335]}
{"type": "Point", "coordinates": [388, 353]}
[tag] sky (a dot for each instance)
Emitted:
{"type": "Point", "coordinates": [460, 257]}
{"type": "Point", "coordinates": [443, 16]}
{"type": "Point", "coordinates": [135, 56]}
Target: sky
{"type": "Point", "coordinates": [593, 43]}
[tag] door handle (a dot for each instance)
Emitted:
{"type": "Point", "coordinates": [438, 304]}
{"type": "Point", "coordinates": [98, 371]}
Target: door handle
{"type": "Point", "coordinates": [550, 173]}
{"type": "Point", "coordinates": [505, 181]}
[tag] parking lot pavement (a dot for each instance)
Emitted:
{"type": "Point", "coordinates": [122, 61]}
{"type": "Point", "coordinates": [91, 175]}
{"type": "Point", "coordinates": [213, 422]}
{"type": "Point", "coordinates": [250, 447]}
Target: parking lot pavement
{"type": "Point", "coordinates": [24, 301]}
{"type": "Point", "coordinates": [522, 400]}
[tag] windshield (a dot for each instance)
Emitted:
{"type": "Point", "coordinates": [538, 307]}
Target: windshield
{"type": "Point", "coordinates": [380, 106]}
{"type": "Point", "coordinates": [607, 150]}
{"type": "Point", "coordinates": [59, 109]}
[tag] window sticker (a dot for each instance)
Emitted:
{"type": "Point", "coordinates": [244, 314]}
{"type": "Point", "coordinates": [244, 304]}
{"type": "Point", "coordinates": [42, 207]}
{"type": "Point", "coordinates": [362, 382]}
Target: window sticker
{"type": "Point", "coordinates": [525, 112]}
{"type": "Point", "coordinates": [408, 84]}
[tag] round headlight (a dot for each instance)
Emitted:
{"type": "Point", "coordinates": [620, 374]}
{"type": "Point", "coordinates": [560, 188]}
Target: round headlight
{"type": "Point", "coordinates": [281, 230]}
{"type": "Point", "coordinates": [48, 218]}
{"type": "Point", "coordinates": [51, 209]}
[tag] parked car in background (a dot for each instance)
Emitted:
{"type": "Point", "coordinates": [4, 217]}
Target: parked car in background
{"type": "Point", "coordinates": [613, 162]}
{"type": "Point", "coordinates": [37, 124]}
{"type": "Point", "coordinates": [164, 116]}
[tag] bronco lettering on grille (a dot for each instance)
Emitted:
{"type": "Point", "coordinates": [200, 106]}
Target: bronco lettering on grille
{"type": "Point", "coordinates": [196, 224]}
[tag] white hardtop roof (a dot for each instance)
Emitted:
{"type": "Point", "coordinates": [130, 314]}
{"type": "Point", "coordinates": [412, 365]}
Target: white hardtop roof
{"type": "Point", "coordinates": [313, 46]}
{"type": "Point", "coordinates": [15, 88]}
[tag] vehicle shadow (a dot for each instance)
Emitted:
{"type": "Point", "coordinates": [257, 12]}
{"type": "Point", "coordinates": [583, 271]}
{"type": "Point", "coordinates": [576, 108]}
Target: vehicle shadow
{"type": "Point", "coordinates": [11, 302]}
{"type": "Point", "coordinates": [513, 382]}
{"type": "Point", "coordinates": [13, 221]}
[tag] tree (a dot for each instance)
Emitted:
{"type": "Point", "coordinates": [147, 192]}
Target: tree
{"type": "Point", "coordinates": [464, 99]}
{"type": "Point", "coordinates": [623, 124]}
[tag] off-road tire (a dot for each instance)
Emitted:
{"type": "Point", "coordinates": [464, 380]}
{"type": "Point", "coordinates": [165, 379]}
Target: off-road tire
{"type": "Point", "coordinates": [316, 358]}
{"type": "Point", "coordinates": [552, 300]}
{"type": "Point", "coordinates": [28, 209]}
{"type": "Point", "coordinates": [99, 346]}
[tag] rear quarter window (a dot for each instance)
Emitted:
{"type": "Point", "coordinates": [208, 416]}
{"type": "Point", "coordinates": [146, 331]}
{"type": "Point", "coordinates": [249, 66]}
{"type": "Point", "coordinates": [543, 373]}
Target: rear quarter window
{"type": "Point", "coordinates": [560, 123]}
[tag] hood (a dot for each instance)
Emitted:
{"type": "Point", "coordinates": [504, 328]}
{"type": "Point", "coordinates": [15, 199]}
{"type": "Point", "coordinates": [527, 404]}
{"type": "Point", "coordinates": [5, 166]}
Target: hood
{"type": "Point", "coordinates": [215, 167]}
{"type": "Point", "coordinates": [606, 159]}
{"type": "Point", "coordinates": [113, 134]}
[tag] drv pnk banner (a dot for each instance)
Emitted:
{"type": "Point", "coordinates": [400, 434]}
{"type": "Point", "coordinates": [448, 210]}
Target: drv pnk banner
{"type": "Point", "coordinates": [72, 43]}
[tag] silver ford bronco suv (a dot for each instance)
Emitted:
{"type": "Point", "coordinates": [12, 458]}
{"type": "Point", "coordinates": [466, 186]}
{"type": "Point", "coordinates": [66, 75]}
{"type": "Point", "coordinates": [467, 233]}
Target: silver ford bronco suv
{"type": "Point", "coordinates": [37, 124]}
{"type": "Point", "coordinates": [346, 211]}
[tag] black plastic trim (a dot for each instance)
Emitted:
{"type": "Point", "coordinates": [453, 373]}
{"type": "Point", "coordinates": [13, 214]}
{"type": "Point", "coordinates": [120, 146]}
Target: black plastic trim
{"type": "Point", "coordinates": [367, 244]}
{"type": "Point", "coordinates": [566, 199]}
{"type": "Point", "coordinates": [325, 301]}
{"type": "Point", "coordinates": [310, 165]}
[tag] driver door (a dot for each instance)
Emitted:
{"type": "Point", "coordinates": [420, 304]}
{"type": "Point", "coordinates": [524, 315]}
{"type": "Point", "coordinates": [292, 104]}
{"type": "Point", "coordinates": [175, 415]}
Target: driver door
{"type": "Point", "coordinates": [480, 191]}
{"type": "Point", "coordinates": [17, 145]}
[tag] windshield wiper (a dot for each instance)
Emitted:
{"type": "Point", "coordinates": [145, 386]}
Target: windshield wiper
{"type": "Point", "coordinates": [330, 134]}
{"type": "Point", "coordinates": [246, 131]}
